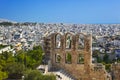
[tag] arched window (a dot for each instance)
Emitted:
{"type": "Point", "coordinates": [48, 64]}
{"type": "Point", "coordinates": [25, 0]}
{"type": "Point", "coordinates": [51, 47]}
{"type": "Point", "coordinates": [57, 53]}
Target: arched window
{"type": "Point", "coordinates": [80, 59]}
{"type": "Point", "coordinates": [68, 58]}
{"type": "Point", "coordinates": [57, 58]}
{"type": "Point", "coordinates": [68, 41]}
{"type": "Point", "coordinates": [58, 41]}
{"type": "Point", "coordinates": [81, 41]}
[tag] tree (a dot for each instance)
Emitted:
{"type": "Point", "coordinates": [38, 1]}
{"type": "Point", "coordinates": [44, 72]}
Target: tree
{"type": "Point", "coordinates": [96, 53]}
{"type": "Point", "coordinates": [7, 57]}
{"type": "Point", "coordinates": [15, 70]}
{"type": "Point", "coordinates": [108, 67]}
{"type": "Point", "coordinates": [106, 58]}
{"type": "Point", "coordinates": [20, 57]}
{"type": "Point", "coordinates": [99, 60]}
{"type": "Point", "coordinates": [34, 57]}
{"type": "Point", "coordinates": [15, 66]}
{"type": "Point", "coordinates": [49, 77]}
{"type": "Point", "coordinates": [69, 58]}
{"type": "Point", "coordinates": [37, 55]}
{"type": "Point", "coordinates": [33, 75]}
{"type": "Point", "coordinates": [3, 75]}
{"type": "Point", "coordinates": [36, 75]}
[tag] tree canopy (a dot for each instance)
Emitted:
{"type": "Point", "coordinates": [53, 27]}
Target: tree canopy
{"type": "Point", "coordinates": [22, 63]}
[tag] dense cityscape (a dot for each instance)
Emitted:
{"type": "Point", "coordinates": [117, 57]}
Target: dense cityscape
{"type": "Point", "coordinates": [15, 37]}
{"type": "Point", "coordinates": [59, 39]}
{"type": "Point", "coordinates": [32, 33]}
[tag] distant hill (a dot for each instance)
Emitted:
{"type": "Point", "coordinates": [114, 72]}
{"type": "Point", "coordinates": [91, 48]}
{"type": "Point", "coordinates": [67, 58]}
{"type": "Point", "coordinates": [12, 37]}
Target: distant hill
{"type": "Point", "coordinates": [5, 20]}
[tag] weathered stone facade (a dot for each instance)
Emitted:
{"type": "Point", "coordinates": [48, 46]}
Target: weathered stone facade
{"type": "Point", "coordinates": [115, 71]}
{"type": "Point", "coordinates": [75, 57]}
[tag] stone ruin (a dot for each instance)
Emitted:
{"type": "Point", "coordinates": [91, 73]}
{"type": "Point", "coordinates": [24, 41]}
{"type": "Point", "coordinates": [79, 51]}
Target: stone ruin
{"type": "Point", "coordinates": [73, 53]}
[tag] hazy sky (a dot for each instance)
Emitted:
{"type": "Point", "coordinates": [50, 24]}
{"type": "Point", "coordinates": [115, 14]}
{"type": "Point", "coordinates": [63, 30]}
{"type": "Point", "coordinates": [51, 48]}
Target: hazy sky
{"type": "Point", "coordinates": [66, 11]}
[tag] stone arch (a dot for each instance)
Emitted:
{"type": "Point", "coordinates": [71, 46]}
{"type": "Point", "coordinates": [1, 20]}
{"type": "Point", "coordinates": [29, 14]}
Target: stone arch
{"type": "Point", "coordinates": [80, 59]}
{"type": "Point", "coordinates": [80, 40]}
{"type": "Point", "coordinates": [68, 40]}
{"type": "Point", "coordinates": [57, 58]}
{"type": "Point", "coordinates": [88, 47]}
{"type": "Point", "coordinates": [58, 37]}
{"type": "Point", "coordinates": [68, 57]}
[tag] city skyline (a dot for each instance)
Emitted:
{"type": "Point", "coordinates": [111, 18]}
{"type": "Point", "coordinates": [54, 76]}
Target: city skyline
{"type": "Point", "coordinates": [61, 11]}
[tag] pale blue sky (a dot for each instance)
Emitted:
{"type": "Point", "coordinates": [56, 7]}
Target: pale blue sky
{"type": "Point", "coordinates": [57, 11]}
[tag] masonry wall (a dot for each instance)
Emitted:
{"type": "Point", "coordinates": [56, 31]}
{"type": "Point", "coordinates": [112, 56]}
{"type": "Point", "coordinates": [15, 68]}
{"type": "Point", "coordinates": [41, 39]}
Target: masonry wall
{"type": "Point", "coordinates": [81, 71]}
{"type": "Point", "coordinates": [116, 71]}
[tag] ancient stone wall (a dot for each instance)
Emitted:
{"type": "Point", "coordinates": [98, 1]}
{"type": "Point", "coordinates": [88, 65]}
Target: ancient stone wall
{"type": "Point", "coordinates": [116, 71]}
{"type": "Point", "coordinates": [73, 52]}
